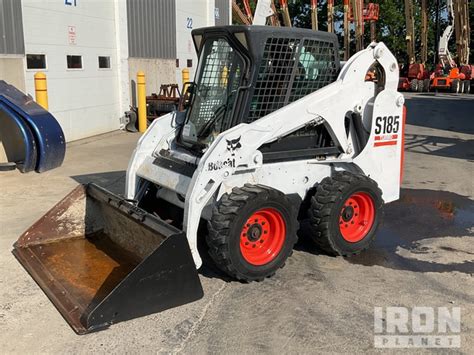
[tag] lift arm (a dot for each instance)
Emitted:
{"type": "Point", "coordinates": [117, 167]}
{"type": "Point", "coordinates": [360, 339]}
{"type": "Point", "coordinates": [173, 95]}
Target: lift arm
{"type": "Point", "coordinates": [239, 14]}
{"type": "Point", "coordinates": [424, 32]}
{"type": "Point", "coordinates": [314, 15]}
{"type": "Point", "coordinates": [274, 19]}
{"type": "Point", "coordinates": [286, 13]}
{"type": "Point", "coordinates": [248, 10]}
{"type": "Point", "coordinates": [346, 30]}
{"type": "Point", "coordinates": [331, 16]}
{"type": "Point", "coordinates": [443, 52]}
{"type": "Point", "coordinates": [462, 30]}
{"type": "Point", "coordinates": [410, 36]}
{"type": "Point", "coordinates": [262, 11]}
{"type": "Point", "coordinates": [357, 10]}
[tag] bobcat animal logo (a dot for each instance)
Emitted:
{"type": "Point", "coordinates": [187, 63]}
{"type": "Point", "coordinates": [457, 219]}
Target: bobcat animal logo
{"type": "Point", "coordinates": [233, 145]}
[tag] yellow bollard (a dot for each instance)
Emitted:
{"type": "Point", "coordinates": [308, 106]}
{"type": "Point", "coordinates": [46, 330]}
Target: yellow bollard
{"type": "Point", "coordinates": [41, 90]}
{"type": "Point", "coordinates": [141, 93]}
{"type": "Point", "coordinates": [185, 78]}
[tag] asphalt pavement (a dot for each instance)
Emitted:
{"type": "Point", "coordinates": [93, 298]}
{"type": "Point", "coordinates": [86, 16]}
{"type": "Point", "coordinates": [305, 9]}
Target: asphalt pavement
{"type": "Point", "coordinates": [423, 257]}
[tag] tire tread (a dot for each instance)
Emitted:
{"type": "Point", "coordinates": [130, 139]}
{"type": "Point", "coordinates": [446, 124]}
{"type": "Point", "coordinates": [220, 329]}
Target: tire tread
{"type": "Point", "coordinates": [224, 212]}
{"type": "Point", "coordinates": [322, 205]}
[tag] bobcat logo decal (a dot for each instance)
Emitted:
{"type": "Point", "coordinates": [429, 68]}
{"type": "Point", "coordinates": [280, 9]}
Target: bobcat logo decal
{"type": "Point", "coordinates": [233, 145]}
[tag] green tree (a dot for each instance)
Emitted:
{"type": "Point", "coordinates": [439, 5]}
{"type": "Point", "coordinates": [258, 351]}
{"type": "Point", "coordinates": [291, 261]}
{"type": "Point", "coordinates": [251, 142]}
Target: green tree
{"type": "Point", "coordinates": [390, 28]}
{"type": "Point", "coordinates": [471, 21]}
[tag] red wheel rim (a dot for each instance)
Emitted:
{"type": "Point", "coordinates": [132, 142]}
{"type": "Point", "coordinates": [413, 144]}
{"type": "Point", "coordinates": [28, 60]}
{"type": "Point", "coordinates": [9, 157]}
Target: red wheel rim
{"type": "Point", "coordinates": [262, 236]}
{"type": "Point", "coordinates": [357, 217]}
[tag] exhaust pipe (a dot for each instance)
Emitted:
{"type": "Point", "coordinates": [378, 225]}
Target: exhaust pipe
{"type": "Point", "coordinates": [102, 260]}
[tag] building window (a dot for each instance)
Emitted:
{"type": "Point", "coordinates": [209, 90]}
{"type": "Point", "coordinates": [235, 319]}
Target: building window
{"type": "Point", "coordinates": [74, 61]}
{"type": "Point", "coordinates": [104, 62]}
{"type": "Point", "coordinates": [189, 63]}
{"type": "Point", "coordinates": [35, 61]}
{"type": "Point", "coordinates": [177, 63]}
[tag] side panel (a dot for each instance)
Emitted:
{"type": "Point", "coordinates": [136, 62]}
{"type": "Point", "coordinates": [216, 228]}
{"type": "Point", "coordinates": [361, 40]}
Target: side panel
{"type": "Point", "coordinates": [288, 177]}
{"type": "Point", "coordinates": [380, 159]}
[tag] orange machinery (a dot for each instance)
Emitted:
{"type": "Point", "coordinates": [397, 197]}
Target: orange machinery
{"type": "Point", "coordinates": [414, 76]}
{"type": "Point", "coordinates": [455, 76]}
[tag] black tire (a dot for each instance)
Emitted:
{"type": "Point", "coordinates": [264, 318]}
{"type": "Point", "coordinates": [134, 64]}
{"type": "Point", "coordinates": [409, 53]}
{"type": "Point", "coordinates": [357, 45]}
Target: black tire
{"type": "Point", "coordinates": [467, 86]}
{"type": "Point", "coordinates": [414, 85]}
{"type": "Point", "coordinates": [421, 85]}
{"type": "Point", "coordinates": [328, 210]}
{"type": "Point", "coordinates": [426, 85]}
{"type": "Point", "coordinates": [455, 84]}
{"type": "Point", "coordinates": [229, 222]}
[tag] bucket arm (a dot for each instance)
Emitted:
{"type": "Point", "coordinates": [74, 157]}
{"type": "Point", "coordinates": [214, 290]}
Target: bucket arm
{"type": "Point", "coordinates": [331, 16]}
{"type": "Point", "coordinates": [314, 15]}
{"type": "Point", "coordinates": [286, 13]}
{"type": "Point", "coordinates": [443, 51]}
{"type": "Point", "coordinates": [410, 28]}
{"type": "Point", "coordinates": [239, 14]}
{"type": "Point", "coordinates": [248, 10]}
{"type": "Point", "coordinates": [424, 32]}
{"type": "Point", "coordinates": [346, 30]}
{"type": "Point", "coordinates": [274, 18]}
{"type": "Point", "coordinates": [357, 10]}
{"type": "Point", "coordinates": [462, 30]}
{"type": "Point", "coordinates": [262, 11]}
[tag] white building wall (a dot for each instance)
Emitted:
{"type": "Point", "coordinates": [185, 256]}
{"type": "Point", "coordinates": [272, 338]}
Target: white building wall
{"type": "Point", "coordinates": [85, 101]}
{"type": "Point", "coordinates": [90, 100]}
{"type": "Point", "coordinates": [190, 14]}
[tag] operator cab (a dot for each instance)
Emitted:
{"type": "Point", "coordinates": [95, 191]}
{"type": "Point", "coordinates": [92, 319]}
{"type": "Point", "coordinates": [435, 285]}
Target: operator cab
{"type": "Point", "coordinates": [247, 72]}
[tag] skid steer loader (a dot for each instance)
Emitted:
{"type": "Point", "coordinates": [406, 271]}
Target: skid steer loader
{"type": "Point", "coordinates": [272, 131]}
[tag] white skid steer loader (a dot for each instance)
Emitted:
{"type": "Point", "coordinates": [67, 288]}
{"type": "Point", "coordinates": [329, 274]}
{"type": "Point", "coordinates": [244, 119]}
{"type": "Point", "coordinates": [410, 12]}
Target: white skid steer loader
{"type": "Point", "coordinates": [271, 132]}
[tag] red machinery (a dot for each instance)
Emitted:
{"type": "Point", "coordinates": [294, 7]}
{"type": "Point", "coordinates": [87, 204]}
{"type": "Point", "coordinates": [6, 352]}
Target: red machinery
{"type": "Point", "coordinates": [370, 12]}
{"type": "Point", "coordinates": [359, 13]}
{"type": "Point", "coordinates": [456, 79]}
{"type": "Point", "coordinates": [415, 76]}
{"type": "Point", "coordinates": [449, 75]}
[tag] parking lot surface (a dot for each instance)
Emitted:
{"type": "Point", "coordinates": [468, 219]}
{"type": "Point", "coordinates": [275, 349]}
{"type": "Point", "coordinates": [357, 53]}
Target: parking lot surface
{"type": "Point", "coordinates": [423, 256]}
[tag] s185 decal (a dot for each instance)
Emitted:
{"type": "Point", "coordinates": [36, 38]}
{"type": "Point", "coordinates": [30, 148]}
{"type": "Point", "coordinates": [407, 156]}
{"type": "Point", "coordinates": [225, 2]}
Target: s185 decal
{"type": "Point", "coordinates": [387, 124]}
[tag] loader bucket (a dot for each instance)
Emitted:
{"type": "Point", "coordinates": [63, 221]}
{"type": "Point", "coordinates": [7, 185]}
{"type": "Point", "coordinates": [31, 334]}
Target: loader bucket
{"type": "Point", "coordinates": [102, 260]}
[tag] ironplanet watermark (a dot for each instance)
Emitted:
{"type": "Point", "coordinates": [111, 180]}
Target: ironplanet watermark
{"type": "Point", "coordinates": [417, 327]}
